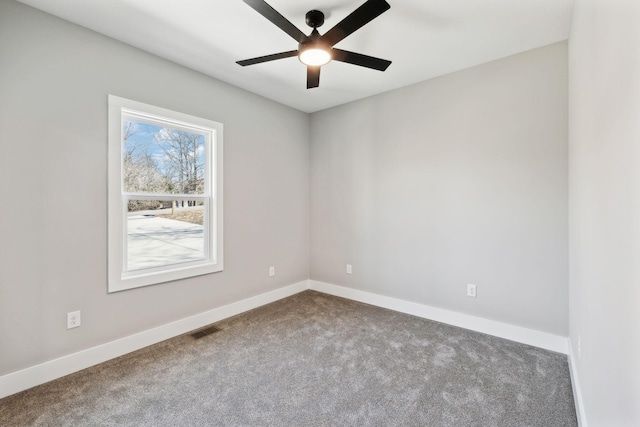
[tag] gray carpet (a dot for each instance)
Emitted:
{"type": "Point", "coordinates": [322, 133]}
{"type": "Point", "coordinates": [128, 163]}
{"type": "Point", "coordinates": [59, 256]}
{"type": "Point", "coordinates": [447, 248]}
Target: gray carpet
{"type": "Point", "coordinates": [312, 360]}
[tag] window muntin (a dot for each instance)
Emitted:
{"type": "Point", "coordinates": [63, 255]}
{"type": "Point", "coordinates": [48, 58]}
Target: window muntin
{"type": "Point", "coordinates": [165, 187]}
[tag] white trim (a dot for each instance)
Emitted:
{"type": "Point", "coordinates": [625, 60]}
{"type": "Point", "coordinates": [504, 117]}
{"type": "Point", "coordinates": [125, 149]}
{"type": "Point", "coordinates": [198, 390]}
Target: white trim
{"type": "Point", "coordinates": [65, 365]}
{"type": "Point", "coordinates": [520, 334]}
{"type": "Point", "coordinates": [48, 371]}
{"type": "Point", "coordinates": [577, 391]}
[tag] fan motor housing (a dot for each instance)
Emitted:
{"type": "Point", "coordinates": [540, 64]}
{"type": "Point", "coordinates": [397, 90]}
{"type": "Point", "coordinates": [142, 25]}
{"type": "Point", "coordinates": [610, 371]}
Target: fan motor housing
{"type": "Point", "coordinates": [314, 18]}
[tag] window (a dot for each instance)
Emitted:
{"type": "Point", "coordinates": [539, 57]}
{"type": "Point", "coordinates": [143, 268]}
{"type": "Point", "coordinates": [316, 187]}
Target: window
{"type": "Point", "coordinates": [165, 195]}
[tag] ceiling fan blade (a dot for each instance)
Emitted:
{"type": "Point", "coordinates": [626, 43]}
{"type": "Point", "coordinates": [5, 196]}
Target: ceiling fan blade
{"type": "Point", "coordinates": [266, 58]}
{"type": "Point", "coordinates": [366, 13]}
{"type": "Point", "coordinates": [280, 21]}
{"type": "Point", "coordinates": [313, 76]}
{"type": "Point", "coordinates": [360, 59]}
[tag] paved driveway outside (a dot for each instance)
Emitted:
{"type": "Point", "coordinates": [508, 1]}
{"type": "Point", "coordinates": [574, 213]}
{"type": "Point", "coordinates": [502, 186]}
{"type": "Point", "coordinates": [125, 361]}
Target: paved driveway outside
{"type": "Point", "coordinates": [154, 241]}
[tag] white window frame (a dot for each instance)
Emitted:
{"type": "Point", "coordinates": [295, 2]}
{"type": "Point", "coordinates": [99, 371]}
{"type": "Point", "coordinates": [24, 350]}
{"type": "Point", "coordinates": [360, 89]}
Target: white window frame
{"type": "Point", "coordinates": [119, 278]}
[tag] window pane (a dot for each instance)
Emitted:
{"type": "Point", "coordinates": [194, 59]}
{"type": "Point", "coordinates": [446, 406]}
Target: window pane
{"type": "Point", "coordinates": [161, 233]}
{"type": "Point", "coordinates": [161, 159]}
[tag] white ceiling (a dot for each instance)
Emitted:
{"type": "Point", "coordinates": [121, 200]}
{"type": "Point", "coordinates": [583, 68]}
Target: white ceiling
{"type": "Point", "coordinates": [423, 38]}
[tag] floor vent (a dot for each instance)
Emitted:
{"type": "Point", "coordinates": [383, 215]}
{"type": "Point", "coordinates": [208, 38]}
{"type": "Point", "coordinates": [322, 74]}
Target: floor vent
{"type": "Point", "coordinates": [204, 332]}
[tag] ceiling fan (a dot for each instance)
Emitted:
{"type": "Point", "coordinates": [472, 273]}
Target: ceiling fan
{"type": "Point", "coordinates": [316, 50]}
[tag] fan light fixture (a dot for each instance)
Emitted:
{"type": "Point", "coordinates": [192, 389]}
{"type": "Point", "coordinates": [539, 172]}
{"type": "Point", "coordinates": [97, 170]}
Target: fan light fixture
{"type": "Point", "coordinates": [314, 56]}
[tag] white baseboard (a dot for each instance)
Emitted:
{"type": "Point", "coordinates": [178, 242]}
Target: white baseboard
{"type": "Point", "coordinates": [577, 391]}
{"type": "Point", "coordinates": [47, 371]}
{"type": "Point", "coordinates": [50, 370]}
{"type": "Point", "coordinates": [528, 336]}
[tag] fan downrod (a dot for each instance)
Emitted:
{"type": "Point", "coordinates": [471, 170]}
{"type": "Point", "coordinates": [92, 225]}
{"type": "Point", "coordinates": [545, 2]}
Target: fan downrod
{"type": "Point", "coordinates": [314, 18]}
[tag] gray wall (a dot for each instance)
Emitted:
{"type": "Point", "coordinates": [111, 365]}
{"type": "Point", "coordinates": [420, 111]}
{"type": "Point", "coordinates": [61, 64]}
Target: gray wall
{"type": "Point", "coordinates": [54, 81]}
{"type": "Point", "coordinates": [461, 179]}
{"type": "Point", "coordinates": [604, 183]}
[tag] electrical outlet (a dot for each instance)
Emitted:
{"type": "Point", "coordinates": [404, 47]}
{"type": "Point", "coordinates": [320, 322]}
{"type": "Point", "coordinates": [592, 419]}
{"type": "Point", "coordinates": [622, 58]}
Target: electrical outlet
{"type": "Point", "coordinates": [73, 319]}
{"type": "Point", "coordinates": [272, 271]}
{"type": "Point", "coordinates": [349, 269]}
{"type": "Point", "coordinates": [471, 290]}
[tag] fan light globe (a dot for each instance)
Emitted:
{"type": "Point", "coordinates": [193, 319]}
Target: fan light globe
{"type": "Point", "coordinates": [314, 56]}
